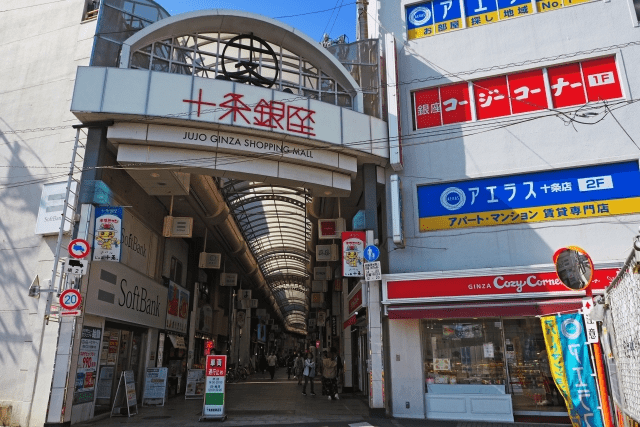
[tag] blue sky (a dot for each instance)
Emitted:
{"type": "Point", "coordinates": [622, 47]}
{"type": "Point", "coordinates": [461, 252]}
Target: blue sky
{"type": "Point", "coordinates": [314, 25]}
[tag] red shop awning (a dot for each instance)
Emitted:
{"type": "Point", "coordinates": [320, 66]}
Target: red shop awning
{"type": "Point", "coordinates": [521, 308]}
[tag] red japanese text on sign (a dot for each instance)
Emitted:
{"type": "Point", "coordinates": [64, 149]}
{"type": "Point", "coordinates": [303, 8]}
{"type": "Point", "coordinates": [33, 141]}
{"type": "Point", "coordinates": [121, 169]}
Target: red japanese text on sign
{"type": "Point", "coordinates": [269, 114]}
{"type": "Point", "coordinates": [216, 366]}
{"type": "Point", "coordinates": [566, 85]}
{"type": "Point", "coordinates": [527, 91]}
{"type": "Point", "coordinates": [569, 85]}
{"type": "Point", "coordinates": [456, 104]}
{"type": "Point", "coordinates": [428, 108]}
{"type": "Point", "coordinates": [299, 120]}
{"type": "Point", "coordinates": [491, 96]}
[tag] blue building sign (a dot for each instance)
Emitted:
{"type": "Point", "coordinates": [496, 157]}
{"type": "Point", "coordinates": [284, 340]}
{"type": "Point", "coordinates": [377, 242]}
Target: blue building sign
{"type": "Point", "coordinates": [594, 191]}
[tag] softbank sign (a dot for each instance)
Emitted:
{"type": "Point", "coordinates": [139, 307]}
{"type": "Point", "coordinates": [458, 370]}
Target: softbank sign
{"type": "Point", "coordinates": [118, 292]}
{"type": "Point", "coordinates": [478, 287]}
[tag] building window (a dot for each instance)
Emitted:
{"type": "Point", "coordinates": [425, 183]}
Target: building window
{"type": "Point", "coordinates": [175, 272]}
{"type": "Point", "coordinates": [506, 353]}
{"type": "Point", "coordinates": [463, 351]}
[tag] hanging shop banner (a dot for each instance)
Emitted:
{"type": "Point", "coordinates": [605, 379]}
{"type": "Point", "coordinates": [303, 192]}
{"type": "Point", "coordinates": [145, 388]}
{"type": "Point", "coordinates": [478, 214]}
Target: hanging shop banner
{"type": "Point", "coordinates": [353, 253]}
{"type": "Point", "coordinates": [439, 16]}
{"type": "Point", "coordinates": [473, 287]}
{"type": "Point", "coordinates": [177, 308]}
{"type": "Point", "coordinates": [557, 364]}
{"type": "Point", "coordinates": [586, 192]}
{"type": "Point", "coordinates": [108, 234]}
{"type": "Point", "coordinates": [214, 398]}
{"type": "Point", "coordinates": [499, 96]}
{"type": "Point", "coordinates": [155, 384]}
{"type": "Point", "coordinates": [87, 365]}
{"type": "Point", "coordinates": [580, 379]}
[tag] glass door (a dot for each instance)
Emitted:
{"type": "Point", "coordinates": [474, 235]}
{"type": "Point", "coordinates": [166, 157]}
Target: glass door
{"type": "Point", "coordinates": [530, 381]}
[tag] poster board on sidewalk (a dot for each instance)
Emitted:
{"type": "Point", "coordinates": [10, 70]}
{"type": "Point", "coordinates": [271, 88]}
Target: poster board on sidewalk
{"type": "Point", "coordinates": [125, 395]}
{"type": "Point", "coordinates": [213, 406]}
{"type": "Point", "coordinates": [195, 384]}
{"type": "Point", "coordinates": [155, 386]}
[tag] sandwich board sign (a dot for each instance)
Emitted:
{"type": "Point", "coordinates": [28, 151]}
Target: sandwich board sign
{"type": "Point", "coordinates": [213, 407]}
{"type": "Point", "coordinates": [155, 386]}
{"type": "Point", "coordinates": [125, 395]}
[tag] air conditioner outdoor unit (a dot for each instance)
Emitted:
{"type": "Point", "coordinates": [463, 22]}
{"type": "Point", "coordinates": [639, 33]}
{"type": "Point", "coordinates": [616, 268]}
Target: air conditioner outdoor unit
{"type": "Point", "coordinates": [209, 260]}
{"type": "Point", "coordinates": [322, 273]}
{"type": "Point", "coordinates": [177, 227]}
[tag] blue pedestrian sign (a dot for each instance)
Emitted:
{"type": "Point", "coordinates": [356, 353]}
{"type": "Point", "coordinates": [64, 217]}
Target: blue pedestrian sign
{"type": "Point", "coordinates": [371, 253]}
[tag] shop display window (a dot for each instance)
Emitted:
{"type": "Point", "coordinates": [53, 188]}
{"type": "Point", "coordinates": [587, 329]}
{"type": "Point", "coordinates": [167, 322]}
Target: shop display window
{"type": "Point", "coordinates": [507, 353]}
{"type": "Point", "coordinates": [463, 351]}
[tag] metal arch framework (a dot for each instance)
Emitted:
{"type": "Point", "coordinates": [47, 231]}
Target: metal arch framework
{"type": "Point", "coordinates": [207, 44]}
{"type": "Point", "coordinates": [275, 226]}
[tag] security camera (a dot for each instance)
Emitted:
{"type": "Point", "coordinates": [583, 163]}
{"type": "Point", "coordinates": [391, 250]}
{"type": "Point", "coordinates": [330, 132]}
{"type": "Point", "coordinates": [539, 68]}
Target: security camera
{"type": "Point", "coordinates": [34, 289]}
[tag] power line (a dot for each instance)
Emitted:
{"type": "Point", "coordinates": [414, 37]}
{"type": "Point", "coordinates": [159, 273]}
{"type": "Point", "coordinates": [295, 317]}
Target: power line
{"type": "Point", "coordinates": [317, 11]}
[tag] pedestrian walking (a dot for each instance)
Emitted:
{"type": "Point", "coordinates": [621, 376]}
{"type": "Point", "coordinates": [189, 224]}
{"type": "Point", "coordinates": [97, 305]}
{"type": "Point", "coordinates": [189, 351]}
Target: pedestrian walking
{"type": "Point", "coordinates": [299, 367]}
{"type": "Point", "coordinates": [290, 366]}
{"type": "Point", "coordinates": [329, 376]}
{"type": "Point", "coordinates": [271, 361]}
{"type": "Point", "coordinates": [309, 374]}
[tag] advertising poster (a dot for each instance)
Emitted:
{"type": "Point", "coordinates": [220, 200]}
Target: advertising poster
{"type": "Point", "coordinates": [177, 308]}
{"type": "Point", "coordinates": [130, 388]}
{"type": "Point", "coordinates": [155, 384]}
{"type": "Point", "coordinates": [353, 253]}
{"type": "Point", "coordinates": [104, 382]}
{"type": "Point", "coordinates": [108, 234]}
{"type": "Point", "coordinates": [87, 365]}
{"type": "Point", "coordinates": [216, 369]}
{"type": "Point", "coordinates": [195, 383]}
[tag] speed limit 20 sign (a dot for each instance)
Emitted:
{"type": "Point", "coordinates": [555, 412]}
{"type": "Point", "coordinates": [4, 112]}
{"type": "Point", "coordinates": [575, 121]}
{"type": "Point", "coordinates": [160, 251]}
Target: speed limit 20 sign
{"type": "Point", "coordinates": [70, 299]}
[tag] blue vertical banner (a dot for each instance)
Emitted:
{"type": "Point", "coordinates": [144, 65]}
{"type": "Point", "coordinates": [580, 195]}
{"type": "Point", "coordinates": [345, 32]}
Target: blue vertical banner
{"type": "Point", "coordinates": [107, 234]}
{"type": "Point", "coordinates": [580, 375]}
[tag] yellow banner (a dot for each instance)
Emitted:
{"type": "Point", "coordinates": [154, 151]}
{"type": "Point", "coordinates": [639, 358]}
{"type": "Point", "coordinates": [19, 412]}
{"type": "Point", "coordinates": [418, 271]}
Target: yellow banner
{"type": "Point", "coordinates": [420, 32]}
{"type": "Point", "coordinates": [556, 364]}
{"type": "Point", "coordinates": [533, 214]}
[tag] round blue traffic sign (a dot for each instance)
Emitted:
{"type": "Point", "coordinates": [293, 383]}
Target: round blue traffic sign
{"type": "Point", "coordinates": [371, 253]}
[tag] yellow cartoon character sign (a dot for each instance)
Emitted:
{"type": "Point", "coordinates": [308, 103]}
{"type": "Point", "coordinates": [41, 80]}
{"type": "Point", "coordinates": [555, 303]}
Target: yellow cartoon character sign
{"type": "Point", "coordinates": [108, 234]}
{"type": "Point", "coordinates": [352, 254]}
{"type": "Point", "coordinates": [106, 237]}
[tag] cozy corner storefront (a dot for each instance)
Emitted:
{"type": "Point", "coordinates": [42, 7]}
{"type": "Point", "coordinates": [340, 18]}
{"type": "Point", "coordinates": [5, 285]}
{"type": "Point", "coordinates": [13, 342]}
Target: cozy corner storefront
{"type": "Point", "coordinates": [476, 338]}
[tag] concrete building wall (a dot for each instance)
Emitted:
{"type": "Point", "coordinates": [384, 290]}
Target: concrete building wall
{"type": "Point", "coordinates": [42, 44]}
{"type": "Point", "coordinates": [406, 369]}
{"type": "Point", "coordinates": [473, 150]}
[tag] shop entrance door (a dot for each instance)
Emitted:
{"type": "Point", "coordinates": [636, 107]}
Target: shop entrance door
{"type": "Point", "coordinates": [531, 385]}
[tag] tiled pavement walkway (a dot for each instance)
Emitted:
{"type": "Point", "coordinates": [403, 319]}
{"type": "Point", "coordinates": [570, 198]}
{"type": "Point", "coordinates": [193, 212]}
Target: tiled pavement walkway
{"type": "Point", "coordinates": [260, 401]}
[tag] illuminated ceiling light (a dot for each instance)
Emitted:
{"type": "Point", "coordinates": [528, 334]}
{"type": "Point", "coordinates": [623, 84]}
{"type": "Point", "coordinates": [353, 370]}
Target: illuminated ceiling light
{"type": "Point", "coordinates": [155, 175]}
{"type": "Point", "coordinates": [327, 193]}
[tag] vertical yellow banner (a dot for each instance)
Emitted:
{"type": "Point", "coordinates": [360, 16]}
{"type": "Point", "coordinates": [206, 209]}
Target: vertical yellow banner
{"type": "Point", "coordinates": [556, 364]}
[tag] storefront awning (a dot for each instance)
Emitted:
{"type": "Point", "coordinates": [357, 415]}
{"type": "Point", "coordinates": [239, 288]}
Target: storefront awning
{"type": "Point", "coordinates": [486, 309]}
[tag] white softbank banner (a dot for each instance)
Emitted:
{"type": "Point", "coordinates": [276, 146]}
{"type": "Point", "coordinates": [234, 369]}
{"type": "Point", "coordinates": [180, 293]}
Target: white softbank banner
{"type": "Point", "coordinates": [117, 292]}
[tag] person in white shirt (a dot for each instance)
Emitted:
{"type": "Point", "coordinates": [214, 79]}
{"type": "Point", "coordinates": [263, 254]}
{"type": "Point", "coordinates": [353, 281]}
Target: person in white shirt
{"type": "Point", "coordinates": [271, 361]}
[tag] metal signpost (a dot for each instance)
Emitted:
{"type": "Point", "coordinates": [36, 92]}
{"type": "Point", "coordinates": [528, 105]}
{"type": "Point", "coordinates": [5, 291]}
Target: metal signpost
{"type": "Point", "coordinates": [213, 406]}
